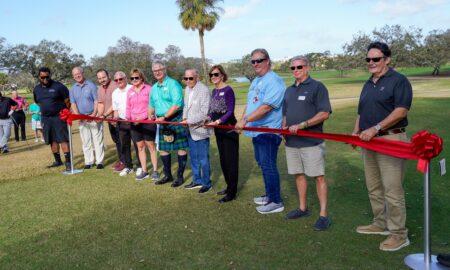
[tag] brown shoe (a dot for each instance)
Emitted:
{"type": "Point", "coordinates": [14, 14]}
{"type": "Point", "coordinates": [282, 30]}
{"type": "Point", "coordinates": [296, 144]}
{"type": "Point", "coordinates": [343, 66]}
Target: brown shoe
{"type": "Point", "coordinates": [394, 242]}
{"type": "Point", "coordinates": [371, 229]}
{"type": "Point", "coordinates": [116, 164]}
{"type": "Point", "coordinates": [119, 167]}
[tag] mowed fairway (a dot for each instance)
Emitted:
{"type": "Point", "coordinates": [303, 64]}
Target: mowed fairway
{"type": "Point", "coordinates": [98, 220]}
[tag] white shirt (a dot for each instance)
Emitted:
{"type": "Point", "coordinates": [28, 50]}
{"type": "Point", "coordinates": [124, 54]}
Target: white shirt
{"type": "Point", "coordinates": [119, 101]}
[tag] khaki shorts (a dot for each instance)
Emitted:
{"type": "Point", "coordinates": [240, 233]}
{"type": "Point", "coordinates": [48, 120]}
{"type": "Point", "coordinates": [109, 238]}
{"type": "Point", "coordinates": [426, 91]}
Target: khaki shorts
{"type": "Point", "coordinates": [306, 160]}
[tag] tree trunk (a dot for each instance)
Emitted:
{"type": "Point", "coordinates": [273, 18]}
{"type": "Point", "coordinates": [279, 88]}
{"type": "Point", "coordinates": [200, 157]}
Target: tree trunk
{"type": "Point", "coordinates": [202, 53]}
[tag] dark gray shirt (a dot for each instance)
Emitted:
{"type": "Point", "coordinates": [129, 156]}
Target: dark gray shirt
{"type": "Point", "coordinates": [302, 102]}
{"type": "Point", "coordinates": [378, 100]}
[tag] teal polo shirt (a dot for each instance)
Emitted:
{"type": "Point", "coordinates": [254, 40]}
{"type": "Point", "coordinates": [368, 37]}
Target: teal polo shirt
{"type": "Point", "coordinates": [164, 96]}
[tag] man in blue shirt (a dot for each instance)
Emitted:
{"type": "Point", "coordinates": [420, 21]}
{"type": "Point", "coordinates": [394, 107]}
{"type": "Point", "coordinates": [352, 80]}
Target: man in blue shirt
{"type": "Point", "coordinates": [83, 99]}
{"type": "Point", "coordinates": [264, 102]}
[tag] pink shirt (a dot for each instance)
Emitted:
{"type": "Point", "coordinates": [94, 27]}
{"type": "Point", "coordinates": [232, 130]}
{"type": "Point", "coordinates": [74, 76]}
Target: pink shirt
{"type": "Point", "coordinates": [21, 103]}
{"type": "Point", "coordinates": [137, 103]}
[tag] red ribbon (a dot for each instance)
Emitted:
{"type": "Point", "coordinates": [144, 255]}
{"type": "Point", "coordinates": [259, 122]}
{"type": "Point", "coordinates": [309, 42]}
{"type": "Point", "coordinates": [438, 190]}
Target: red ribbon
{"type": "Point", "coordinates": [423, 147]}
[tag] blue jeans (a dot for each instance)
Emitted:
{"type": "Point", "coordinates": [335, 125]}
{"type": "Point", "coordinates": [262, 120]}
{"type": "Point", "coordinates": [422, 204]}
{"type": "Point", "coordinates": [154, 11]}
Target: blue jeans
{"type": "Point", "coordinates": [266, 150]}
{"type": "Point", "coordinates": [199, 154]}
{"type": "Point", "coordinates": [5, 132]}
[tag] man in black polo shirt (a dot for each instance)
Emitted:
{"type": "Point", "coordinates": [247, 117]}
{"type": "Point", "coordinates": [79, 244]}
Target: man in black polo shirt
{"type": "Point", "coordinates": [7, 107]}
{"type": "Point", "coordinates": [306, 106]}
{"type": "Point", "coordinates": [52, 97]}
{"type": "Point", "coordinates": [383, 106]}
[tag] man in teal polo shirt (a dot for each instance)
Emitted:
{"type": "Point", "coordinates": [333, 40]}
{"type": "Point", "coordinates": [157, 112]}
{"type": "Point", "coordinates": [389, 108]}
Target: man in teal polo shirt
{"type": "Point", "coordinates": [166, 103]}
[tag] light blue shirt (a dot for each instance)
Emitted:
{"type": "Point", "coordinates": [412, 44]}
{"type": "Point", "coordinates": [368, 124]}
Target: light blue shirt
{"type": "Point", "coordinates": [268, 89]}
{"type": "Point", "coordinates": [84, 96]}
{"type": "Point", "coordinates": [164, 96]}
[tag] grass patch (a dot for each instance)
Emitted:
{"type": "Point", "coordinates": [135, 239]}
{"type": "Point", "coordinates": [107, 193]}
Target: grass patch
{"type": "Point", "coordinates": [98, 220]}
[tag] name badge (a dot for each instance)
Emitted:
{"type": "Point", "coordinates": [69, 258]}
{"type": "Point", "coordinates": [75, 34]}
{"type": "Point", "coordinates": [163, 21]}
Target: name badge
{"type": "Point", "coordinates": [301, 97]}
{"type": "Point", "coordinates": [166, 88]}
{"type": "Point", "coordinates": [221, 94]}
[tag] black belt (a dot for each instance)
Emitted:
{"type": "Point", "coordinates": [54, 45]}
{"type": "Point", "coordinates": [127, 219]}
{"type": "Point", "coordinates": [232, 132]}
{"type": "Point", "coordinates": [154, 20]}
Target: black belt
{"type": "Point", "coordinates": [390, 131]}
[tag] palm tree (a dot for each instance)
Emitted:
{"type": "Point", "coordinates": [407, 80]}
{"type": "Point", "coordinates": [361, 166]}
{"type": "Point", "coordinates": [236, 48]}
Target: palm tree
{"type": "Point", "coordinates": [201, 15]}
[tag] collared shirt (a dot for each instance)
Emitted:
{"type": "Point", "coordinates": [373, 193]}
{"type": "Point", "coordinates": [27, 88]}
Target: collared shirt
{"type": "Point", "coordinates": [84, 96]}
{"type": "Point", "coordinates": [378, 100]}
{"type": "Point", "coordinates": [119, 101]}
{"type": "Point", "coordinates": [137, 103]}
{"type": "Point", "coordinates": [104, 95]}
{"type": "Point", "coordinates": [269, 90]}
{"type": "Point", "coordinates": [36, 112]}
{"type": "Point", "coordinates": [22, 104]}
{"type": "Point", "coordinates": [166, 95]}
{"type": "Point", "coordinates": [302, 102]}
{"type": "Point", "coordinates": [51, 98]}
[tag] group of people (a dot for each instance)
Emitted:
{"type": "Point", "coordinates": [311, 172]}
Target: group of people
{"type": "Point", "coordinates": [188, 122]}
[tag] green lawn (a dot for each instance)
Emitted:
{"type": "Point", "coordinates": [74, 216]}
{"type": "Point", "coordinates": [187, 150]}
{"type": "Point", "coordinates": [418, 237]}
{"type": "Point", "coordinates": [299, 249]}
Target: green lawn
{"type": "Point", "coordinates": [98, 220]}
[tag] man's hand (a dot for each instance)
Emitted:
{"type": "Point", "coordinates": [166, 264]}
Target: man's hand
{"type": "Point", "coordinates": [368, 134]}
{"type": "Point", "coordinates": [240, 125]}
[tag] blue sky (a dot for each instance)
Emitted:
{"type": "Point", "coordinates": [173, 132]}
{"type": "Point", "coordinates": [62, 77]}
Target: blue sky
{"type": "Point", "coordinates": [284, 27]}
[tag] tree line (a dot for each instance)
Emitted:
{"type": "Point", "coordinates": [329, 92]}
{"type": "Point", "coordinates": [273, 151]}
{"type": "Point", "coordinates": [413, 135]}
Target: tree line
{"type": "Point", "coordinates": [19, 63]}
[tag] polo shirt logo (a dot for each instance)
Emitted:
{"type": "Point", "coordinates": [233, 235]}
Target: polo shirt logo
{"type": "Point", "coordinates": [51, 90]}
{"type": "Point", "coordinates": [382, 88]}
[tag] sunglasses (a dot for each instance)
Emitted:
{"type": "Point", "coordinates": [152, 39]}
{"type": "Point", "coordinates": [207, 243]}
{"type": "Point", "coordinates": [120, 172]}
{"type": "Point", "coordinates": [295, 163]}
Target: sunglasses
{"type": "Point", "coordinates": [216, 74]}
{"type": "Point", "coordinates": [297, 67]}
{"type": "Point", "coordinates": [188, 78]}
{"type": "Point", "coordinates": [44, 77]}
{"type": "Point", "coordinates": [135, 78]}
{"type": "Point", "coordinates": [257, 61]}
{"type": "Point", "coordinates": [375, 59]}
{"type": "Point", "coordinates": [118, 79]}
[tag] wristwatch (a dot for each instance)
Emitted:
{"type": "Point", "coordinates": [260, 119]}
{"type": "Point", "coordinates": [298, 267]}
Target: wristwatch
{"type": "Point", "coordinates": [245, 118]}
{"type": "Point", "coordinates": [377, 127]}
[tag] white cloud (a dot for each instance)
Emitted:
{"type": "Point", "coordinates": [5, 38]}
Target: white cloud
{"type": "Point", "coordinates": [238, 11]}
{"type": "Point", "coordinates": [404, 7]}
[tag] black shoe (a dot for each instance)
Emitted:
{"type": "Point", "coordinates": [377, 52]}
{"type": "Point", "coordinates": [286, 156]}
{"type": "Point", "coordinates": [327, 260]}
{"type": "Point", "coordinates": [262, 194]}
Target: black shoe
{"type": "Point", "coordinates": [297, 213]}
{"type": "Point", "coordinates": [55, 164]}
{"type": "Point", "coordinates": [322, 224]}
{"type": "Point", "coordinates": [100, 166]}
{"type": "Point", "coordinates": [222, 192]}
{"type": "Point", "coordinates": [164, 180]}
{"type": "Point", "coordinates": [204, 189]}
{"type": "Point", "coordinates": [178, 182]}
{"type": "Point", "coordinates": [444, 259]}
{"type": "Point", "coordinates": [227, 199]}
{"type": "Point", "coordinates": [192, 185]}
{"type": "Point", "coordinates": [5, 151]}
{"type": "Point", "coordinates": [68, 167]}
{"type": "Point", "coordinates": [87, 167]}
{"type": "Point", "coordinates": [24, 140]}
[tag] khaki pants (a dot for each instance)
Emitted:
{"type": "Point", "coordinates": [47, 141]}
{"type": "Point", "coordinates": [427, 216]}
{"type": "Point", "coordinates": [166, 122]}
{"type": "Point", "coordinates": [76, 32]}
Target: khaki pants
{"type": "Point", "coordinates": [384, 180]}
{"type": "Point", "coordinates": [91, 133]}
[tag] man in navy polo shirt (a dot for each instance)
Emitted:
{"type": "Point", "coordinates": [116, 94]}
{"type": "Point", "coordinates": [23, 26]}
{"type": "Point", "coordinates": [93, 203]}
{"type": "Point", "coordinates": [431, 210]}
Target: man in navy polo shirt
{"type": "Point", "coordinates": [306, 106]}
{"type": "Point", "coordinates": [83, 99]}
{"type": "Point", "coordinates": [383, 106]}
{"type": "Point", "coordinates": [52, 97]}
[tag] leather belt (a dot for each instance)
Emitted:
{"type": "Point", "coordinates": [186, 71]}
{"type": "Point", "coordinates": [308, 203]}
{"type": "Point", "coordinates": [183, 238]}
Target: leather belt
{"type": "Point", "coordinates": [390, 131]}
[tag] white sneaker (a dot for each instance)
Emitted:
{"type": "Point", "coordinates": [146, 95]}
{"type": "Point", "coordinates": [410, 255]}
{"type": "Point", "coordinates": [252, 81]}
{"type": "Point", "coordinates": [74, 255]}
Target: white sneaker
{"type": "Point", "coordinates": [261, 200]}
{"type": "Point", "coordinates": [269, 208]}
{"type": "Point", "coordinates": [126, 171]}
{"type": "Point", "coordinates": [138, 171]}
{"type": "Point", "coordinates": [42, 140]}
{"type": "Point", "coordinates": [36, 140]}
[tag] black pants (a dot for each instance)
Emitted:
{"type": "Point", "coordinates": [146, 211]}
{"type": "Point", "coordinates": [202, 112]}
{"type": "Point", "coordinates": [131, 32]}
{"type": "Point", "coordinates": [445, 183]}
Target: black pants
{"type": "Point", "coordinates": [20, 119]}
{"type": "Point", "coordinates": [228, 145]}
{"type": "Point", "coordinates": [125, 144]}
{"type": "Point", "coordinates": [114, 131]}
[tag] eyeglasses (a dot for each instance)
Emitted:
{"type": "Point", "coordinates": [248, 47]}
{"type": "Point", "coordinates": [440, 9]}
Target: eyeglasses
{"type": "Point", "coordinates": [119, 79]}
{"type": "Point", "coordinates": [188, 78]}
{"type": "Point", "coordinates": [44, 77]}
{"type": "Point", "coordinates": [135, 78]}
{"type": "Point", "coordinates": [158, 70]}
{"type": "Point", "coordinates": [375, 59]}
{"type": "Point", "coordinates": [297, 67]}
{"type": "Point", "coordinates": [215, 74]}
{"type": "Point", "coordinates": [257, 61]}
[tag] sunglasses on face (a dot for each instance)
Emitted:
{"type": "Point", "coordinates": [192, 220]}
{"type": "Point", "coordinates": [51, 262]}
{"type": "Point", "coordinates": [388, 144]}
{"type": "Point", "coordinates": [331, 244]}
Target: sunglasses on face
{"type": "Point", "coordinates": [135, 78]}
{"type": "Point", "coordinates": [375, 59]}
{"type": "Point", "coordinates": [118, 79]}
{"type": "Point", "coordinates": [44, 77]}
{"type": "Point", "coordinates": [188, 78]}
{"type": "Point", "coordinates": [297, 67]}
{"type": "Point", "coordinates": [257, 61]}
{"type": "Point", "coordinates": [215, 74]}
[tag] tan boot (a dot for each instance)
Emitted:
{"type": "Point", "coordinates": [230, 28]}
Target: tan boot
{"type": "Point", "coordinates": [394, 243]}
{"type": "Point", "coordinates": [371, 229]}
